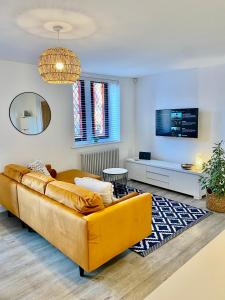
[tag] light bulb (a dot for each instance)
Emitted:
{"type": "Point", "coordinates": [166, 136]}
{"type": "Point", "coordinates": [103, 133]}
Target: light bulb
{"type": "Point", "coordinates": [199, 161]}
{"type": "Point", "coordinates": [59, 66]}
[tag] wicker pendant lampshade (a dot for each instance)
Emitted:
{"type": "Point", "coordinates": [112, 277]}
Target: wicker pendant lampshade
{"type": "Point", "coordinates": [59, 65]}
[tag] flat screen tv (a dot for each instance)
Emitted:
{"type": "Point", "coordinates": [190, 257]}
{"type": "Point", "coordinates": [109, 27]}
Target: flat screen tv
{"type": "Point", "coordinates": [177, 122]}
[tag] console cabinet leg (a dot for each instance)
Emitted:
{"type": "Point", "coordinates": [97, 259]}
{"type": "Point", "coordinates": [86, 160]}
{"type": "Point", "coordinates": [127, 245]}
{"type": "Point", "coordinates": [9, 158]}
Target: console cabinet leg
{"type": "Point", "coordinates": [81, 272]}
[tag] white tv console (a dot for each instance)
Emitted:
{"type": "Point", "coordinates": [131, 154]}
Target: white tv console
{"type": "Point", "coordinates": [167, 175]}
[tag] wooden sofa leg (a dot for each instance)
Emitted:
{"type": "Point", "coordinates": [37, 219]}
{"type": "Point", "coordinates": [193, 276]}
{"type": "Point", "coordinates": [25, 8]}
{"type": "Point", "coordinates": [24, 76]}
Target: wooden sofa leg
{"type": "Point", "coordinates": [10, 215]}
{"type": "Point", "coordinates": [24, 225]}
{"type": "Point", "coordinates": [81, 272]}
{"type": "Point", "coordinates": [30, 229]}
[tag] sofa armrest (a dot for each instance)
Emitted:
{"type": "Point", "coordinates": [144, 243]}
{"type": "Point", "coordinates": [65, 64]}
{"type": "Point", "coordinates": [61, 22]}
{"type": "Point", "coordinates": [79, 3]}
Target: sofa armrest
{"type": "Point", "coordinates": [118, 227]}
{"type": "Point", "coordinates": [8, 194]}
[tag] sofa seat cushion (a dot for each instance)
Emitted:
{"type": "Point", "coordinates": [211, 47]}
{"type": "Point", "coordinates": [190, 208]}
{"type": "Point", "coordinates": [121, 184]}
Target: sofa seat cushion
{"type": "Point", "coordinates": [75, 197]}
{"type": "Point", "coordinates": [69, 175]}
{"type": "Point", "coordinates": [15, 172]}
{"type": "Point", "coordinates": [37, 181]}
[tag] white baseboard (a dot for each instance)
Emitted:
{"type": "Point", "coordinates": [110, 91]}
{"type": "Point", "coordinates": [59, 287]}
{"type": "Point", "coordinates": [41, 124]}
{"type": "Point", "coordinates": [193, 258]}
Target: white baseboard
{"type": "Point", "coordinates": [2, 209]}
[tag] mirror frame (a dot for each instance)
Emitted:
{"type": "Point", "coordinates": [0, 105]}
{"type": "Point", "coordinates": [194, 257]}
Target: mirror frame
{"type": "Point", "coordinates": [32, 134]}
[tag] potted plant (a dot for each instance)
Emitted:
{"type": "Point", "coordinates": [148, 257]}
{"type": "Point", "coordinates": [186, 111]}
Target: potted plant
{"type": "Point", "coordinates": [213, 179]}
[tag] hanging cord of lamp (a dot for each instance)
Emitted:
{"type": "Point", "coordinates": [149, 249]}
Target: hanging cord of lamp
{"type": "Point", "coordinates": [59, 65]}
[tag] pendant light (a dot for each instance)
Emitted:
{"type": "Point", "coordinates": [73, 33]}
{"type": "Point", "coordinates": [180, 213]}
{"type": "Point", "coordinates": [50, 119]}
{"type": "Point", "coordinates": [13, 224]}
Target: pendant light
{"type": "Point", "coordinates": [59, 65]}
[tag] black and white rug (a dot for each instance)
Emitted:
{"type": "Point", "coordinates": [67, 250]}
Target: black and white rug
{"type": "Point", "coordinates": [169, 219]}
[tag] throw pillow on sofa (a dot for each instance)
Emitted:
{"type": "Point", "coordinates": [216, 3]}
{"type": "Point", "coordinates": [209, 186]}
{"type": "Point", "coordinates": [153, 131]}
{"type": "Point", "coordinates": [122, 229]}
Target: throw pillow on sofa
{"type": "Point", "coordinates": [105, 189]}
{"type": "Point", "coordinates": [38, 166]}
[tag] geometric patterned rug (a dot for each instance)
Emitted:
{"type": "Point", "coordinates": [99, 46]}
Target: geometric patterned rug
{"type": "Point", "coordinates": [169, 219]}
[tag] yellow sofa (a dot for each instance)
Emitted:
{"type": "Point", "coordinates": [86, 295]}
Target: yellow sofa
{"type": "Point", "coordinates": [53, 209]}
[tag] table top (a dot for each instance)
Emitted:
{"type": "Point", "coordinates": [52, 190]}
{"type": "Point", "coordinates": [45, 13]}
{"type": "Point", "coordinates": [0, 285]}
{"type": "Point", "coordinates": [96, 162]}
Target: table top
{"type": "Point", "coordinates": [115, 171]}
{"type": "Point", "coordinates": [202, 277]}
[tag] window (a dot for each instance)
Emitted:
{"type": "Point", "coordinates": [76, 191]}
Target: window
{"type": "Point", "coordinates": [79, 111]}
{"type": "Point", "coordinates": [100, 114]}
{"type": "Point", "coordinates": [96, 108]}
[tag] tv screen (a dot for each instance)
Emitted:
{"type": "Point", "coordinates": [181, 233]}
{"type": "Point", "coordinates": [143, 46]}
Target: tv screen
{"type": "Point", "coordinates": [177, 122]}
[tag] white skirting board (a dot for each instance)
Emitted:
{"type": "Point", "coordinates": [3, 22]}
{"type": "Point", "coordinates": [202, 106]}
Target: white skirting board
{"type": "Point", "coordinates": [2, 209]}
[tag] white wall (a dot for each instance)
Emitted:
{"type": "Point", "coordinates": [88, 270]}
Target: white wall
{"type": "Point", "coordinates": [203, 88]}
{"type": "Point", "coordinates": [55, 144]}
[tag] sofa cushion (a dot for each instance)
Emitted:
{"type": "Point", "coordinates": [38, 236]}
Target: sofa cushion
{"type": "Point", "coordinates": [37, 181]}
{"type": "Point", "coordinates": [75, 197]}
{"type": "Point", "coordinates": [105, 189]}
{"type": "Point", "coordinates": [15, 172]}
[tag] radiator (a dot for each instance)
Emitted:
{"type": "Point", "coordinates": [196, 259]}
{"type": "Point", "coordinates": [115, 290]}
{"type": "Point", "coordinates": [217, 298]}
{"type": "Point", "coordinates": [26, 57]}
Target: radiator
{"type": "Point", "coordinates": [96, 162]}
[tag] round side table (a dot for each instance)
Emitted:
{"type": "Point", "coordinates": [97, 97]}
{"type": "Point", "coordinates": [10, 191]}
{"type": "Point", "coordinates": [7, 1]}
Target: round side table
{"type": "Point", "coordinates": [116, 175]}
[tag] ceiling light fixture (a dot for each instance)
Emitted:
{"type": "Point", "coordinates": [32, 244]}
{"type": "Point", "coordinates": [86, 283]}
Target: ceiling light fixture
{"type": "Point", "coordinates": [59, 65]}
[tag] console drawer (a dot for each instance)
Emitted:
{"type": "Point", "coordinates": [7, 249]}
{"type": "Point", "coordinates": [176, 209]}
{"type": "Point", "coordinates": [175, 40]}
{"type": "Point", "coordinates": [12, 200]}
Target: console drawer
{"type": "Point", "coordinates": [159, 183]}
{"type": "Point", "coordinates": [156, 170]}
{"type": "Point", "coordinates": [156, 176]}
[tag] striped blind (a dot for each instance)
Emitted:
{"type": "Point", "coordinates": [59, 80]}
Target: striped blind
{"type": "Point", "coordinates": [96, 108]}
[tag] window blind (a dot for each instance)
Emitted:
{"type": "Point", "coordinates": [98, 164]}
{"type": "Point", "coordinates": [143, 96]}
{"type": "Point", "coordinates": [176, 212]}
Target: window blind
{"type": "Point", "coordinates": [96, 108]}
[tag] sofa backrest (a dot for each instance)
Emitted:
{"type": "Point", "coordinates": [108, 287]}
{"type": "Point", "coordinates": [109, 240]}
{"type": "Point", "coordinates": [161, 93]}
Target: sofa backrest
{"type": "Point", "coordinates": [37, 181]}
{"type": "Point", "coordinates": [63, 227]}
{"type": "Point", "coordinates": [68, 194]}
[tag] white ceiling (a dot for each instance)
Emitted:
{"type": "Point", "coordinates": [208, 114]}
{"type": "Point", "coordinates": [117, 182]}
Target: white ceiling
{"type": "Point", "coordinates": [132, 38]}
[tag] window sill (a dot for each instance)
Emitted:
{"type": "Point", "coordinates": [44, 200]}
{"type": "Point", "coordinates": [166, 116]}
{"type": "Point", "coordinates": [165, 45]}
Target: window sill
{"type": "Point", "coordinates": [94, 145]}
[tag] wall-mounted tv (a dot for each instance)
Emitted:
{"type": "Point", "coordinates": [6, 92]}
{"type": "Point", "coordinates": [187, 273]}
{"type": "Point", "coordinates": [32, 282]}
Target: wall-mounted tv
{"type": "Point", "coordinates": [177, 122]}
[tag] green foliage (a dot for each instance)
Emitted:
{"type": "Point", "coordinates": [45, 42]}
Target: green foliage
{"type": "Point", "coordinates": [213, 176]}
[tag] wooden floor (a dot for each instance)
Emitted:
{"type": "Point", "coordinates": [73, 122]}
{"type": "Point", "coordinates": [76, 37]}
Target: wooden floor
{"type": "Point", "coordinates": [30, 268]}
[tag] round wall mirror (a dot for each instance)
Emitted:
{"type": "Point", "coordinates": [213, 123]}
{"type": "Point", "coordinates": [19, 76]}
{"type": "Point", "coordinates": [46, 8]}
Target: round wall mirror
{"type": "Point", "coordinates": [30, 113]}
